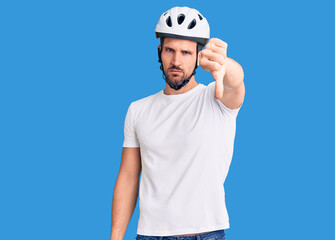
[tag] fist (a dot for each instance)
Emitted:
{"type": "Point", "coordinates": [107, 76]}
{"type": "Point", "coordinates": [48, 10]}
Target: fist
{"type": "Point", "coordinates": [212, 59]}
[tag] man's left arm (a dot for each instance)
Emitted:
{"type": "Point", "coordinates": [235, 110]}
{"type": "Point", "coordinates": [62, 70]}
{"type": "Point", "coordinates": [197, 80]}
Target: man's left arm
{"type": "Point", "coordinates": [227, 73]}
{"type": "Point", "coordinates": [233, 85]}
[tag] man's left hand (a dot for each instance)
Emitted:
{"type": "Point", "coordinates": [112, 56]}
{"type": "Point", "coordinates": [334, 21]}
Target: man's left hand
{"type": "Point", "coordinates": [212, 59]}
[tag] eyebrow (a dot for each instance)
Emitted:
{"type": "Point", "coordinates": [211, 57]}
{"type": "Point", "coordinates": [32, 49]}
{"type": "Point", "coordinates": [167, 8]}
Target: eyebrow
{"type": "Point", "coordinates": [186, 50]}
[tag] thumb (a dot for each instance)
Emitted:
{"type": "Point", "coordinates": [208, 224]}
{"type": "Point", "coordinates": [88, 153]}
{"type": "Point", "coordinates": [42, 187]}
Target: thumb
{"type": "Point", "coordinates": [219, 89]}
{"type": "Point", "coordinates": [199, 56]}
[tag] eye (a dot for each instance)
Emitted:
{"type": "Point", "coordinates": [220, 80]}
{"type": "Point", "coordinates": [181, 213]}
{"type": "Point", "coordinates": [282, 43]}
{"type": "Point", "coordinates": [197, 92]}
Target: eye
{"type": "Point", "coordinates": [169, 49]}
{"type": "Point", "coordinates": [186, 52]}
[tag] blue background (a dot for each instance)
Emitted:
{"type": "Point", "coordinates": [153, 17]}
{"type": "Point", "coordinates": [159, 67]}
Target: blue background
{"type": "Point", "coordinates": [70, 69]}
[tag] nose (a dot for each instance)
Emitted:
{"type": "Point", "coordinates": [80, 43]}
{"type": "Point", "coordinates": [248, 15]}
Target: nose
{"type": "Point", "coordinates": [176, 60]}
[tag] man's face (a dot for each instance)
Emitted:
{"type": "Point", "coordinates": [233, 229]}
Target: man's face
{"type": "Point", "coordinates": [179, 59]}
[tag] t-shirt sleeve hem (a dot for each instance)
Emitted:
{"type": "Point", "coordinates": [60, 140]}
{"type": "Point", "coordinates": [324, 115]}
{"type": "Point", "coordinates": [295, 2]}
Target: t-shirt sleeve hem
{"type": "Point", "coordinates": [133, 145]}
{"type": "Point", "coordinates": [224, 109]}
{"type": "Point", "coordinates": [231, 111]}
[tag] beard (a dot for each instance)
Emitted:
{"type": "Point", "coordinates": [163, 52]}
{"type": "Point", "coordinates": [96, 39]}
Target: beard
{"type": "Point", "coordinates": [176, 82]}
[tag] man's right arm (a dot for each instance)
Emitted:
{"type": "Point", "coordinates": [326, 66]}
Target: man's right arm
{"type": "Point", "coordinates": [125, 191]}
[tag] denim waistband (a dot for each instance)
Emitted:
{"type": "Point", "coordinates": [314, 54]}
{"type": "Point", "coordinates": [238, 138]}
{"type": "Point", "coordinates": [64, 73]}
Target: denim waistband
{"type": "Point", "coordinates": [200, 236]}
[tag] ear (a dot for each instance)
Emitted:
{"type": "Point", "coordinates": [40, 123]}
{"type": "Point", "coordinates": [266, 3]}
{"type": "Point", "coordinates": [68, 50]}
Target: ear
{"type": "Point", "coordinates": [159, 54]}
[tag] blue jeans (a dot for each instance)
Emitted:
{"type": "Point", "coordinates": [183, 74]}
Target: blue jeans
{"type": "Point", "coordinates": [213, 235]}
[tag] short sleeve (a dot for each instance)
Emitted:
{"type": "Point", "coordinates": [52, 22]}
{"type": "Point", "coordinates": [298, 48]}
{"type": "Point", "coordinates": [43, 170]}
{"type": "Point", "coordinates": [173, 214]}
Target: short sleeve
{"type": "Point", "coordinates": [224, 109]}
{"type": "Point", "coordinates": [130, 138]}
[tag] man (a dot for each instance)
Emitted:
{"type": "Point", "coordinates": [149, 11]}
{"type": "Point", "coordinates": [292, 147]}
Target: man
{"type": "Point", "coordinates": [181, 138]}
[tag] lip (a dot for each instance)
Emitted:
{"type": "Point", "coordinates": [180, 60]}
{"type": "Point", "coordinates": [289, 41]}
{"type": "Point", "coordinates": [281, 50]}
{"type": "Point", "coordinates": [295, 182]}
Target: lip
{"type": "Point", "coordinates": [175, 71]}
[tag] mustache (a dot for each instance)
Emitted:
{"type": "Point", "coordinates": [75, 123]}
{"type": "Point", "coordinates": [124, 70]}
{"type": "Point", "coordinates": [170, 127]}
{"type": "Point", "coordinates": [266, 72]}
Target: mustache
{"type": "Point", "coordinates": [175, 68]}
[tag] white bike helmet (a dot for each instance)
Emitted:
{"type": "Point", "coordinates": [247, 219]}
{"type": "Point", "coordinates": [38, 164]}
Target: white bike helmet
{"type": "Point", "coordinates": [185, 23]}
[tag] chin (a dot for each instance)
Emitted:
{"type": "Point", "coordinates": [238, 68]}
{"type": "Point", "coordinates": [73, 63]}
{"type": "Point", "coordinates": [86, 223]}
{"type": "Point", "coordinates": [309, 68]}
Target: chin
{"type": "Point", "coordinates": [176, 77]}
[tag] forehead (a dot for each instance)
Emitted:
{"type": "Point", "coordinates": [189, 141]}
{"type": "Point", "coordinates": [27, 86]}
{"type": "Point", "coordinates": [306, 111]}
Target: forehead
{"type": "Point", "coordinates": [179, 43]}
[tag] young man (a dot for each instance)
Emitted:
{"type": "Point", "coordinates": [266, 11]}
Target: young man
{"type": "Point", "coordinates": [181, 138]}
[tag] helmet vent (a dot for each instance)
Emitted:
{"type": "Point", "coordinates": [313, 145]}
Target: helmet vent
{"type": "Point", "coordinates": [181, 18]}
{"type": "Point", "coordinates": [200, 17]}
{"type": "Point", "coordinates": [192, 24]}
{"type": "Point", "coordinates": [165, 13]}
{"type": "Point", "coordinates": [168, 21]}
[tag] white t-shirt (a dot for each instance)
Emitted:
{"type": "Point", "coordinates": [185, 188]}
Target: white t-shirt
{"type": "Point", "coordinates": [186, 143]}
